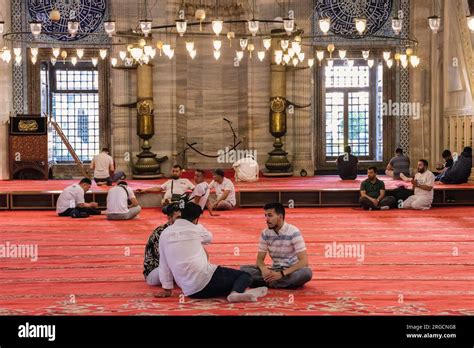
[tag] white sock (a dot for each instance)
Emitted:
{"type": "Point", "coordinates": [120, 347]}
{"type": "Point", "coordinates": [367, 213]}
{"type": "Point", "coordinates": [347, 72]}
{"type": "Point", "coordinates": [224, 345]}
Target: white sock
{"type": "Point", "coordinates": [258, 292]}
{"type": "Point", "coordinates": [241, 297]}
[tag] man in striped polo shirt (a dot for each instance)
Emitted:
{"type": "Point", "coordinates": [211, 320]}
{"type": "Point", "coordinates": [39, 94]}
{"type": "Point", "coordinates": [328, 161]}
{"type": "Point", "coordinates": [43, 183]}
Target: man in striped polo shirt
{"type": "Point", "coordinates": [287, 250]}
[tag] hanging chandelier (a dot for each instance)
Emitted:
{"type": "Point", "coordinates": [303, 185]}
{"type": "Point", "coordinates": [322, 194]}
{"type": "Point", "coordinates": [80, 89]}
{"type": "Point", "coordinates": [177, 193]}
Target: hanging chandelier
{"type": "Point", "coordinates": [279, 39]}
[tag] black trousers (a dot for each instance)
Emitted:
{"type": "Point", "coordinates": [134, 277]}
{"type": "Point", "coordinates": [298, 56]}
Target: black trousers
{"type": "Point", "coordinates": [223, 282]}
{"type": "Point", "coordinates": [366, 204]}
{"type": "Point", "coordinates": [77, 210]}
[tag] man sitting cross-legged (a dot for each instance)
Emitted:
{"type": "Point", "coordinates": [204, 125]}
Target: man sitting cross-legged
{"type": "Point", "coordinates": [184, 259]}
{"type": "Point", "coordinates": [71, 201]}
{"type": "Point", "coordinates": [372, 193]}
{"type": "Point", "coordinates": [152, 249]}
{"type": "Point", "coordinates": [287, 250]}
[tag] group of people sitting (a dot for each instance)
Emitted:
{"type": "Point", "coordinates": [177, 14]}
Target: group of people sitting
{"type": "Point", "coordinates": [176, 253]}
{"type": "Point", "coordinates": [372, 190]}
{"type": "Point", "coordinates": [122, 203]}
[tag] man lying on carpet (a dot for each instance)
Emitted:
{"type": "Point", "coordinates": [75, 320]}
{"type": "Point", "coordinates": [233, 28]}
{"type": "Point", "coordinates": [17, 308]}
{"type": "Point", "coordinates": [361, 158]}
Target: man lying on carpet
{"type": "Point", "coordinates": [152, 249]}
{"type": "Point", "coordinates": [287, 250]}
{"type": "Point", "coordinates": [184, 259]}
{"type": "Point", "coordinates": [71, 201]}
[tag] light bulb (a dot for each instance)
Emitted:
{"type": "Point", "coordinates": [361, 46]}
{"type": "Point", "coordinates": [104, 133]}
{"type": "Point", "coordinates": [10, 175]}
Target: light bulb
{"type": "Point", "coordinates": [17, 51]}
{"type": "Point", "coordinates": [145, 26]}
{"type": "Point", "coordinates": [181, 26]}
{"type": "Point", "coordinates": [291, 52]}
{"type": "Point", "coordinates": [190, 46]}
{"type": "Point", "coordinates": [109, 27]}
{"type": "Point", "coordinates": [63, 54]}
{"type": "Point", "coordinates": [289, 25]}
{"type": "Point", "coordinates": [365, 54]}
{"type": "Point", "coordinates": [74, 60]}
{"type": "Point", "coordinates": [56, 51]}
{"type": "Point", "coordinates": [145, 59]}
{"type": "Point", "coordinates": [320, 55]}
{"type": "Point", "coordinates": [434, 23]}
{"type": "Point", "coordinates": [253, 27]}
{"type": "Point", "coordinates": [53, 61]}
{"type": "Point", "coordinates": [261, 55]}
{"type": "Point", "coordinates": [278, 53]}
{"type": "Point", "coordinates": [286, 58]}
{"type": "Point", "coordinates": [331, 48]}
{"type": "Point", "coordinates": [113, 61]}
{"type": "Point", "coordinates": [414, 61]}
{"type": "Point", "coordinates": [403, 58]}
{"type": "Point", "coordinates": [73, 27]}
{"type": "Point", "coordinates": [243, 43]}
{"type": "Point", "coordinates": [217, 26]}
{"type": "Point", "coordinates": [324, 25]}
{"type": "Point", "coordinates": [34, 51]}
{"type": "Point", "coordinates": [122, 55]}
{"type": "Point", "coordinates": [136, 53]}
{"type": "Point", "coordinates": [310, 62]}
{"type": "Point", "coordinates": [34, 59]}
{"type": "Point", "coordinates": [278, 59]}
{"type": "Point", "coordinates": [386, 55]}
{"type": "Point", "coordinates": [389, 63]}
{"type": "Point", "coordinates": [470, 23]}
{"type": "Point", "coordinates": [330, 63]}
{"type": "Point", "coordinates": [301, 56]}
{"type": "Point", "coordinates": [171, 53]}
{"type": "Point", "coordinates": [148, 49]}
{"type": "Point", "coordinates": [230, 35]}
{"type": "Point", "coordinates": [267, 43]}
{"type": "Point", "coordinates": [18, 60]}
{"type": "Point", "coordinates": [397, 25]}
{"type": "Point", "coordinates": [217, 44]}
{"type": "Point", "coordinates": [80, 53]}
{"type": "Point", "coordinates": [342, 54]}
{"type": "Point", "coordinates": [370, 63]}
{"type": "Point", "coordinates": [217, 55]}
{"type": "Point", "coordinates": [295, 61]}
{"type": "Point", "coordinates": [192, 54]}
{"type": "Point", "coordinates": [296, 47]}
{"type": "Point", "coordinates": [404, 63]}
{"type": "Point", "coordinates": [35, 28]}
{"type": "Point", "coordinates": [350, 63]}
{"type": "Point", "coordinates": [6, 55]}
{"type": "Point", "coordinates": [361, 25]}
{"type": "Point", "coordinates": [239, 55]}
{"type": "Point", "coordinates": [103, 53]}
{"type": "Point", "coordinates": [166, 49]}
{"type": "Point", "coordinates": [285, 44]}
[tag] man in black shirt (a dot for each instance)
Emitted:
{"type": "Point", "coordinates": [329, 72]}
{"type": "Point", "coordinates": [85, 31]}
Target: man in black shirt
{"type": "Point", "coordinates": [347, 165]}
{"type": "Point", "coordinates": [372, 193]}
{"type": "Point", "coordinates": [448, 163]}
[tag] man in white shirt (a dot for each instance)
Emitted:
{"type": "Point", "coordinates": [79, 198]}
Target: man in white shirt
{"type": "Point", "coordinates": [71, 201]}
{"type": "Point", "coordinates": [287, 249]}
{"type": "Point", "coordinates": [201, 192]}
{"type": "Point", "coordinates": [173, 188]}
{"type": "Point", "coordinates": [423, 184]}
{"type": "Point", "coordinates": [225, 191]}
{"type": "Point", "coordinates": [184, 259]}
{"type": "Point", "coordinates": [103, 166]}
{"type": "Point", "coordinates": [122, 203]}
{"type": "Point", "coordinates": [246, 169]}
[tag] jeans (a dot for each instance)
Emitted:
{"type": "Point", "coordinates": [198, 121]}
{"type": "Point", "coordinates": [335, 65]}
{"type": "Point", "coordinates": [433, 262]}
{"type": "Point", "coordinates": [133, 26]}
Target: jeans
{"type": "Point", "coordinates": [290, 281]}
{"type": "Point", "coordinates": [223, 282]}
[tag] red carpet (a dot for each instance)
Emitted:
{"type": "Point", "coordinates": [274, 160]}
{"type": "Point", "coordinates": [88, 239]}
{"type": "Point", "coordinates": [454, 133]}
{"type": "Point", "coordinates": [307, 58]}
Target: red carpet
{"type": "Point", "coordinates": [329, 182]}
{"type": "Point", "coordinates": [94, 266]}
